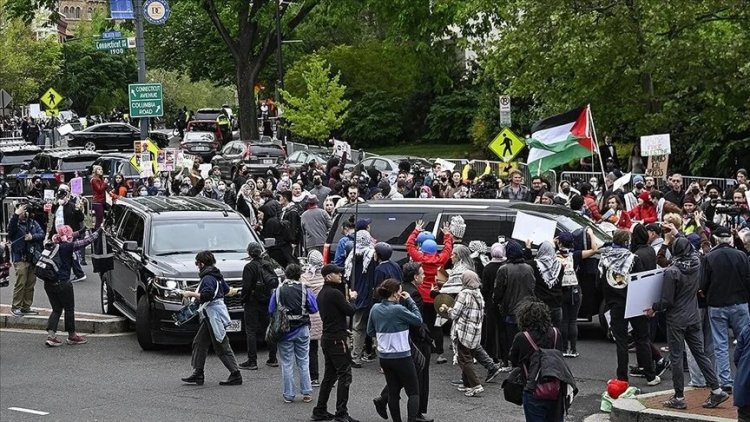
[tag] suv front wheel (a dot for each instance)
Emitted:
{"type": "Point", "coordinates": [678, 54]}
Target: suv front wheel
{"type": "Point", "coordinates": [107, 295]}
{"type": "Point", "coordinates": [143, 324]}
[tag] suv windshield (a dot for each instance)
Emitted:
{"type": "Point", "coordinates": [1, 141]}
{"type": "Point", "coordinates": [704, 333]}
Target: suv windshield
{"type": "Point", "coordinates": [76, 163]}
{"type": "Point", "coordinates": [192, 236]}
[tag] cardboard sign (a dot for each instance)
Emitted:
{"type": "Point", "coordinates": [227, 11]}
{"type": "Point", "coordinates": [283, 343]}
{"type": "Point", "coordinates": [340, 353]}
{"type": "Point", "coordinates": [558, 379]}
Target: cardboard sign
{"type": "Point", "coordinates": [657, 166]}
{"type": "Point", "coordinates": [341, 147]}
{"type": "Point", "coordinates": [655, 145]}
{"type": "Point", "coordinates": [76, 186]}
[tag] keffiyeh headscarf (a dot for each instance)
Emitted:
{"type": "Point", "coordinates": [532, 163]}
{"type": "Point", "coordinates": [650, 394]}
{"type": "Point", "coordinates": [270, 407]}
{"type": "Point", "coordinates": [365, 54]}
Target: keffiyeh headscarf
{"type": "Point", "coordinates": [548, 264]}
{"type": "Point", "coordinates": [463, 263]}
{"type": "Point", "coordinates": [479, 250]}
{"type": "Point", "coordinates": [314, 263]}
{"type": "Point", "coordinates": [364, 247]}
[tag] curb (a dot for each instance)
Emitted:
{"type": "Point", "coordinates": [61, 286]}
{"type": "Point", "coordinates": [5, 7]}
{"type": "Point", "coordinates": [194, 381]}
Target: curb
{"type": "Point", "coordinates": [632, 410]}
{"type": "Point", "coordinates": [85, 323]}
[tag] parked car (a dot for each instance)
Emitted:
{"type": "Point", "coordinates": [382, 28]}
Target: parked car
{"type": "Point", "coordinates": [13, 156]}
{"type": "Point", "coordinates": [209, 113]}
{"type": "Point", "coordinates": [256, 155]}
{"type": "Point", "coordinates": [386, 165]}
{"type": "Point", "coordinates": [117, 163]}
{"type": "Point", "coordinates": [486, 220]}
{"type": "Point", "coordinates": [206, 126]}
{"type": "Point", "coordinates": [112, 136]}
{"type": "Point", "coordinates": [154, 241]}
{"type": "Point", "coordinates": [57, 166]}
{"type": "Point", "coordinates": [202, 144]}
{"type": "Point", "coordinates": [297, 158]}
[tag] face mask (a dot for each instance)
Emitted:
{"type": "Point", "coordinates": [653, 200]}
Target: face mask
{"type": "Point", "coordinates": [143, 192]}
{"type": "Point", "coordinates": [566, 190]}
{"type": "Point", "coordinates": [712, 196]}
{"type": "Point", "coordinates": [318, 182]}
{"type": "Point", "coordinates": [157, 185]}
{"type": "Point", "coordinates": [222, 188]}
{"type": "Point", "coordinates": [61, 202]}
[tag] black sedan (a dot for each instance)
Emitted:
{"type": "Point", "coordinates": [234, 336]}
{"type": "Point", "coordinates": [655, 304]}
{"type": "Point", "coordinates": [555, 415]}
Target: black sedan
{"type": "Point", "coordinates": [258, 156]}
{"type": "Point", "coordinates": [112, 136]}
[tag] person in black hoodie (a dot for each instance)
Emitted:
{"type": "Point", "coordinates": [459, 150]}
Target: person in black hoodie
{"type": "Point", "coordinates": [548, 275]}
{"type": "Point", "coordinates": [615, 266]}
{"type": "Point", "coordinates": [679, 300]}
{"type": "Point", "coordinates": [647, 261]}
{"type": "Point", "coordinates": [494, 342]}
{"type": "Point", "coordinates": [255, 297]}
{"type": "Point", "coordinates": [281, 250]}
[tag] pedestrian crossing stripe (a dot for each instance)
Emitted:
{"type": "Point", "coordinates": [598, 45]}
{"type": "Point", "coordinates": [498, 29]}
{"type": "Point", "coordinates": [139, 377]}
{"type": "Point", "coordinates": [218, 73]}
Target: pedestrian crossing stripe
{"type": "Point", "coordinates": [507, 145]}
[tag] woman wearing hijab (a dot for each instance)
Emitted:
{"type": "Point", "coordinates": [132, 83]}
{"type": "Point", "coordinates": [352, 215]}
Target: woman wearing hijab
{"type": "Point", "coordinates": [467, 314]}
{"type": "Point", "coordinates": [245, 205]}
{"type": "Point", "coordinates": [479, 254]}
{"type": "Point", "coordinates": [313, 279]}
{"type": "Point", "coordinates": [493, 327]}
{"type": "Point", "coordinates": [548, 275]}
{"type": "Point", "coordinates": [361, 263]}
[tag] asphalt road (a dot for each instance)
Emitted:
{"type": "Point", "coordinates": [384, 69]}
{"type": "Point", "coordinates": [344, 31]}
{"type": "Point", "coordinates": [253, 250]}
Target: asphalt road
{"type": "Point", "coordinates": [112, 379]}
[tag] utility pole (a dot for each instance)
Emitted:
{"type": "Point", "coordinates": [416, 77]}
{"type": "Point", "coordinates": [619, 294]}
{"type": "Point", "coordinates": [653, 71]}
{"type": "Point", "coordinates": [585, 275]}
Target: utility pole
{"type": "Point", "coordinates": [279, 71]}
{"type": "Point", "coordinates": [140, 56]}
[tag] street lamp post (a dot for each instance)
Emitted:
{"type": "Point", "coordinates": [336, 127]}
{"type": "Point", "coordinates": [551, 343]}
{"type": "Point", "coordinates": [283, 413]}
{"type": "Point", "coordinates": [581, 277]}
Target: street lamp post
{"type": "Point", "coordinates": [140, 55]}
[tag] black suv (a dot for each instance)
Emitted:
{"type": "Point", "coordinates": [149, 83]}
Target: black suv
{"type": "Point", "coordinates": [154, 241]}
{"type": "Point", "coordinates": [57, 166]}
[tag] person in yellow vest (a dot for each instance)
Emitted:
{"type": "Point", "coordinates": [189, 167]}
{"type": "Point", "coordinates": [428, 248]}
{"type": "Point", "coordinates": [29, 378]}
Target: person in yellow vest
{"type": "Point", "coordinates": [225, 126]}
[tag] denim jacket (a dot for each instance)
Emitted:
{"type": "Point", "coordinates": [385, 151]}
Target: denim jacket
{"type": "Point", "coordinates": [20, 249]}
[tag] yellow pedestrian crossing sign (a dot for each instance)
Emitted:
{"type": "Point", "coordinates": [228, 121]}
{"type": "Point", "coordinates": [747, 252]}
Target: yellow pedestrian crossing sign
{"type": "Point", "coordinates": [51, 99]}
{"type": "Point", "coordinates": [506, 145]}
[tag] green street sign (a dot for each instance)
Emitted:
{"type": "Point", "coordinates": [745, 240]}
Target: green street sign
{"type": "Point", "coordinates": [113, 45]}
{"type": "Point", "coordinates": [145, 100]}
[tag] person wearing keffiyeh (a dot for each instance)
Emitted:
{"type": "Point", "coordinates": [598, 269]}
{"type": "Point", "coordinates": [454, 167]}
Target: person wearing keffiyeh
{"type": "Point", "coordinates": [313, 279]}
{"type": "Point", "coordinates": [548, 274]}
{"type": "Point", "coordinates": [359, 270]}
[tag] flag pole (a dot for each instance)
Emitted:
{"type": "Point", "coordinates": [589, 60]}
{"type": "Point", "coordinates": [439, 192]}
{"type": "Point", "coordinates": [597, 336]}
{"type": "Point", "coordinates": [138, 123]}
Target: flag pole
{"type": "Point", "coordinates": [596, 140]}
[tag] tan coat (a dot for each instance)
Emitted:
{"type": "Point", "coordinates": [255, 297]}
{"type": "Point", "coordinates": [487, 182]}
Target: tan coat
{"type": "Point", "coordinates": [315, 283]}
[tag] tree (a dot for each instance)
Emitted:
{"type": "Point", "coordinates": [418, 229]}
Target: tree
{"type": "Point", "coordinates": [179, 91]}
{"type": "Point", "coordinates": [322, 107]}
{"type": "Point", "coordinates": [27, 63]}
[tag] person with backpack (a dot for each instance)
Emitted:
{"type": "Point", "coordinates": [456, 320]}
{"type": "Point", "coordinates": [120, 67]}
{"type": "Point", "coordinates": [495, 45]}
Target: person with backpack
{"type": "Point", "coordinates": [214, 318]}
{"type": "Point", "coordinates": [537, 350]}
{"type": "Point", "coordinates": [258, 279]}
{"type": "Point", "coordinates": [57, 283]}
{"type": "Point", "coordinates": [297, 302]}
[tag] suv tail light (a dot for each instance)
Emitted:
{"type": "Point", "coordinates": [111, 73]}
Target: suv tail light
{"type": "Point", "coordinates": [326, 252]}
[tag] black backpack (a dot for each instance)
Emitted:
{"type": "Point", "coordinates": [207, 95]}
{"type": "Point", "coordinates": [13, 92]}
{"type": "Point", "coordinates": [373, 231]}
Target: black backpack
{"type": "Point", "coordinates": [49, 263]}
{"type": "Point", "coordinates": [267, 283]}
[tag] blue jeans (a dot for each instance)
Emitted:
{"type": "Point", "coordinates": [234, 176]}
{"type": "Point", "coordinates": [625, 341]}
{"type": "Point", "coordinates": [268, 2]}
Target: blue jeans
{"type": "Point", "coordinates": [296, 348]}
{"type": "Point", "coordinates": [539, 410]}
{"type": "Point", "coordinates": [736, 317]}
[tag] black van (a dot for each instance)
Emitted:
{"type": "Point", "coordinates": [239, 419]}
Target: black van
{"type": "Point", "coordinates": [486, 220]}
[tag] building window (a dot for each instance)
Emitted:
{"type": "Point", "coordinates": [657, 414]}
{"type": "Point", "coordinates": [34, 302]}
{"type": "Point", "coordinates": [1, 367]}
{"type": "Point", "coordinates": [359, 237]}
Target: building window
{"type": "Point", "coordinates": [78, 13]}
{"type": "Point", "coordinates": [65, 11]}
{"type": "Point", "coordinates": [91, 11]}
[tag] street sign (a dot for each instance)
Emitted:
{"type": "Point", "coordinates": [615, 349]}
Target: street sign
{"type": "Point", "coordinates": [156, 12]}
{"type": "Point", "coordinates": [5, 100]}
{"type": "Point", "coordinates": [505, 110]}
{"type": "Point", "coordinates": [113, 45]}
{"type": "Point", "coordinates": [52, 112]}
{"type": "Point", "coordinates": [131, 42]}
{"type": "Point", "coordinates": [111, 34]}
{"type": "Point", "coordinates": [51, 99]}
{"type": "Point", "coordinates": [506, 145]}
{"type": "Point", "coordinates": [145, 100]}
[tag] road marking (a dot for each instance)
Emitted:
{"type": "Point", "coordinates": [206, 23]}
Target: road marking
{"type": "Point", "coordinates": [37, 332]}
{"type": "Point", "coordinates": [34, 412]}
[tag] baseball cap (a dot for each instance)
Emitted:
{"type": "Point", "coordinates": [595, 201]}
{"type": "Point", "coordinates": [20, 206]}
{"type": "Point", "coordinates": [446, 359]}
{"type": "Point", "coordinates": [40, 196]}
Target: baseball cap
{"type": "Point", "coordinates": [722, 232]}
{"type": "Point", "coordinates": [566, 238]}
{"type": "Point", "coordinates": [331, 269]}
{"type": "Point", "coordinates": [362, 223]}
{"type": "Point", "coordinates": [637, 179]}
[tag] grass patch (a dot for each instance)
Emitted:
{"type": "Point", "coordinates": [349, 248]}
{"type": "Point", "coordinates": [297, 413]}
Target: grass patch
{"type": "Point", "coordinates": [426, 150]}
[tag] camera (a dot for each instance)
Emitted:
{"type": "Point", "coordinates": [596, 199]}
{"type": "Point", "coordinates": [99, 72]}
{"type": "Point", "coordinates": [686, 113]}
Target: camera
{"type": "Point", "coordinates": [33, 204]}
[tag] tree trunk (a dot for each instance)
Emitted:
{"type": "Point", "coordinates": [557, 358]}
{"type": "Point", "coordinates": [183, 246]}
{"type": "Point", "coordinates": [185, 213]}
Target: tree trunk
{"type": "Point", "coordinates": [246, 97]}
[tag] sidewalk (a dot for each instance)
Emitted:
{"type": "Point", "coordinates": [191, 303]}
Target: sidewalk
{"type": "Point", "coordinates": [648, 407]}
{"type": "Point", "coordinates": [86, 323]}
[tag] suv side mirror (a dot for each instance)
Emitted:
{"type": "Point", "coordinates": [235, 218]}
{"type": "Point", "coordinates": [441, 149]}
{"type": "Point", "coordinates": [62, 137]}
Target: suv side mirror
{"type": "Point", "coordinates": [269, 241]}
{"type": "Point", "coordinates": [130, 246]}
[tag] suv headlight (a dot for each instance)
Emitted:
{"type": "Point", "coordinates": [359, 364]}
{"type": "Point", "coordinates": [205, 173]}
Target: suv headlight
{"type": "Point", "coordinates": [164, 288]}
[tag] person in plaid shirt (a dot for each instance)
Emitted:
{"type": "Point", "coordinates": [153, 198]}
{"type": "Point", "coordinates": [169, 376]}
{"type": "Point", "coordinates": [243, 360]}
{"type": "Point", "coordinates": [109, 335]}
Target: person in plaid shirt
{"type": "Point", "coordinates": [467, 314]}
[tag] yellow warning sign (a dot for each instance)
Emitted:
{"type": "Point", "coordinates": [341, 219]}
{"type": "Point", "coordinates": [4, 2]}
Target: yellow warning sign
{"type": "Point", "coordinates": [506, 145]}
{"type": "Point", "coordinates": [504, 169]}
{"type": "Point", "coordinates": [51, 99]}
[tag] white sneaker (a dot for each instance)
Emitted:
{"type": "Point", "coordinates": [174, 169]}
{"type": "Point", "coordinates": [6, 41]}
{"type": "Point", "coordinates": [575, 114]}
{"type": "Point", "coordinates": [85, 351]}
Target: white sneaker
{"type": "Point", "coordinates": [76, 280]}
{"type": "Point", "coordinates": [655, 381]}
{"type": "Point", "coordinates": [471, 392]}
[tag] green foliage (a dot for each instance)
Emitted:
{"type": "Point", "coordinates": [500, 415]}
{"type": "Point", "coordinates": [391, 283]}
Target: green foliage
{"type": "Point", "coordinates": [451, 117]}
{"type": "Point", "coordinates": [179, 91]}
{"type": "Point", "coordinates": [645, 66]}
{"type": "Point", "coordinates": [322, 108]}
{"type": "Point", "coordinates": [374, 119]}
{"type": "Point", "coordinates": [27, 64]}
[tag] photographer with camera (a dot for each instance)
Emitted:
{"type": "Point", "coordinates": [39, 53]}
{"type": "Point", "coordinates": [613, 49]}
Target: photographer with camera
{"type": "Point", "coordinates": [68, 211]}
{"type": "Point", "coordinates": [26, 238]}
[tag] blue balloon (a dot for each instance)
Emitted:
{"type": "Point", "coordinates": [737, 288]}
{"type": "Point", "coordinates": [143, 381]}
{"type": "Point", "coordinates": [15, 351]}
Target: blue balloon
{"type": "Point", "coordinates": [424, 236]}
{"type": "Point", "coordinates": [429, 246]}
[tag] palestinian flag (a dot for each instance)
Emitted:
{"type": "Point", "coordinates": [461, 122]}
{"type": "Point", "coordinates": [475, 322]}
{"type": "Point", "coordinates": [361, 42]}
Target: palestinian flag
{"type": "Point", "coordinates": [560, 139]}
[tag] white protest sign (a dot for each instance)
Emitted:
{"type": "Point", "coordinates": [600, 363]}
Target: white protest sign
{"type": "Point", "coordinates": [49, 195]}
{"type": "Point", "coordinates": [35, 111]}
{"type": "Point", "coordinates": [147, 169]}
{"type": "Point", "coordinates": [622, 181]}
{"type": "Point", "coordinates": [644, 290]}
{"type": "Point", "coordinates": [655, 145]}
{"type": "Point", "coordinates": [205, 170]}
{"type": "Point", "coordinates": [536, 229]}
{"type": "Point", "coordinates": [65, 129]}
{"type": "Point", "coordinates": [445, 165]}
{"type": "Point", "coordinates": [341, 147]}
{"type": "Point", "coordinates": [747, 196]}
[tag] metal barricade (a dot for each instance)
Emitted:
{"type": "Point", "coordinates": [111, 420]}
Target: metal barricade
{"type": "Point", "coordinates": [717, 181]}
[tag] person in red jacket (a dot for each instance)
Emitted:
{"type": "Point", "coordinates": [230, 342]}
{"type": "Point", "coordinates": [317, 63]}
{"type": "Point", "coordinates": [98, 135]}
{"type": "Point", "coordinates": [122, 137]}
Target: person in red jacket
{"type": "Point", "coordinates": [615, 213]}
{"type": "Point", "coordinates": [431, 261]}
{"type": "Point", "coordinates": [589, 200]}
{"type": "Point", "coordinates": [645, 211]}
{"type": "Point", "coordinates": [99, 187]}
